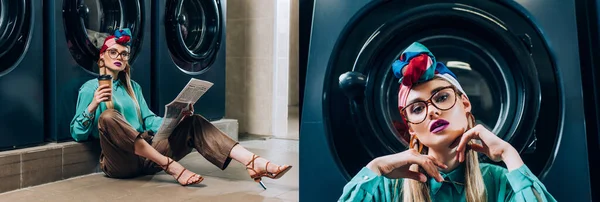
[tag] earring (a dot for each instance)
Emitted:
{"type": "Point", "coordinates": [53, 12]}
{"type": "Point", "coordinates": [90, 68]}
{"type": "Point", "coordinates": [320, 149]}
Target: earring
{"type": "Point", "coordinates": [413, 141]}
{"type": "Point", "coordinates": [101, 63]}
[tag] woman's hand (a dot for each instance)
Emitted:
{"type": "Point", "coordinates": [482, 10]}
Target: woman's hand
{"type": "Point", "coordinates": [102, 93]}
{"type": "Point", "coordinates": [188, 112]}
{"type": "Point", "coordinates": [397, 166]}
{"type": "Point", "coordinates": [492, 146]}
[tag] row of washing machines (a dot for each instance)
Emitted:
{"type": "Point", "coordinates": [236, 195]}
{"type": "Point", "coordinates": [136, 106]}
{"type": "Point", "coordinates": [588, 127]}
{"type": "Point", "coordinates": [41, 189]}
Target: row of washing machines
{"type": "Point", "coordinates": [48, 49]}
{"type": "Point", "coordinates": [530, 69]}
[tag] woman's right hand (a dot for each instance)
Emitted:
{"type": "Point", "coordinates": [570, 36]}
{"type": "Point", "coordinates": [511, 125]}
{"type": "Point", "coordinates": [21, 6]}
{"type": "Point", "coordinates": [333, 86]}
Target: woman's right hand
{"type": "Point", "coordinates": [103, 93]}
{"type": "Point", "coordinates": [397, 166]}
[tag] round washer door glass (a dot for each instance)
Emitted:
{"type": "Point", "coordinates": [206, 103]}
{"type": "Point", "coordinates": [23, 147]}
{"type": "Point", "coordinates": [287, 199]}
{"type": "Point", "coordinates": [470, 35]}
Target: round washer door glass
{"type": "Point", "coordinates": [480, 69]}
{"type": "Point", "coordinates": [89, 22]}
{"type": "Point", "coordinates": [15, 27]}
{"type": "Point", "coordinates": [498, 56]}
{"type": "Point", "coordinates": [193, 31]}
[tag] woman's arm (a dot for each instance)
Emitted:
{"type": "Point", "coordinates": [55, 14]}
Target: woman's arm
{"type": "Point", "coordinates": [516, 185]}
{"type": "Point", "coordinates": [381, 179]}
{"type": "Point", "coordinates": [368, 186]}
{"type": "Point", "coordinates": [84, 120]}
{"type": "Point", "coordinates": [524, 185]}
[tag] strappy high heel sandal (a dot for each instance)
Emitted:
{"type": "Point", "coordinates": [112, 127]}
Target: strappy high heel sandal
{"type": "Point", "coordinates": [257, 176]}
{"type": "Point", "coordinates": [187, 182]}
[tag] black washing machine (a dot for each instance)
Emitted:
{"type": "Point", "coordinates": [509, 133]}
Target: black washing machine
{"type": "Point", "coordinates": [588, 20]}
{"type": "Point", "coordinates": [21, 73]}
{"type": "Point", "coordinates": [517, 60]}
{"type": "Point", "coordinates": [305, 24]}
{"type": "Point", "coordinates": [189, 42]}
{"type": "Point", "coordinates": [76, 32]}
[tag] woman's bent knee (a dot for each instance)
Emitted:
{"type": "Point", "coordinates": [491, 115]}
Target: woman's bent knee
{"type": "Point", "coordinates": [107, 116]}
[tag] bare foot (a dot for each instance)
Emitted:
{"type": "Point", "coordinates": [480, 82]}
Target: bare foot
{"type": "Point", "coordinates": [182, 175]}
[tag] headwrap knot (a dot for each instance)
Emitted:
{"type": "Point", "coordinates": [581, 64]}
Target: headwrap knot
{"type": "Point", "coordinates": [121, 36]}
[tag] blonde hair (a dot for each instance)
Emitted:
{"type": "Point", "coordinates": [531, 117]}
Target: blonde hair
{"type": "Point", "coordinates": [124, 75]}
{"type": "Point", "coordinates": [413, 190]}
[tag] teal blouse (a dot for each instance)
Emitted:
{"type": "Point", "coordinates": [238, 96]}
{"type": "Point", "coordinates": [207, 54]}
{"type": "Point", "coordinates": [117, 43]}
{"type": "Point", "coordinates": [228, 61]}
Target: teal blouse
{"type": "Point", "coordinates": [500, 185]}
{"type": "Point", "coordinates": [84, 124]}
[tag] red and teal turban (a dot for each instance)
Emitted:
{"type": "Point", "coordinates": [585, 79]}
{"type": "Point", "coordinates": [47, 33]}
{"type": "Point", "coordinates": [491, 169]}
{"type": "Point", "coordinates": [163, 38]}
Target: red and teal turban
{"type": "Point", "coordinates": [416, 65]}
{"type": "Point", "coordinates": [121, 36]}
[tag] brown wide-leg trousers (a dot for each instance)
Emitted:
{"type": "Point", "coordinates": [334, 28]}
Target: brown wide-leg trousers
{"type": "Point", "coordinates": [117, 137]}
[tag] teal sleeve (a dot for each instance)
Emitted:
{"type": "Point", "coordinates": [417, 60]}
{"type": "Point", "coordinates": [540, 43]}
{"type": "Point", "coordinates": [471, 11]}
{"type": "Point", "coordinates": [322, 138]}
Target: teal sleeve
{"type": "Point", "coordinates": [151, 121]}
{"type": "Point", "coordinates": [368, 186]}
{"type": "Point", "coordinates": [525, 186]}
{"type": "Point", "coordinates": [83, 122]}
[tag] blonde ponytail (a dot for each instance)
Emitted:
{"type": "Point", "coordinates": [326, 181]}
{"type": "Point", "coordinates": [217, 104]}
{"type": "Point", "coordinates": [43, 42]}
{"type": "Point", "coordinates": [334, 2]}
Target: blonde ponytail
{"type": "Point", "coordinates": [474, 186]}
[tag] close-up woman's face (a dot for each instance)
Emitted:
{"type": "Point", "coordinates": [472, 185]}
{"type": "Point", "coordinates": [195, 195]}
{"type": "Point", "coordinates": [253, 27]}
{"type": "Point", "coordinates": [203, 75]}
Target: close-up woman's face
{"type": "Point", "coordinates": [116, 57]}
{"type": "Point", "coordinates": [436, 113]}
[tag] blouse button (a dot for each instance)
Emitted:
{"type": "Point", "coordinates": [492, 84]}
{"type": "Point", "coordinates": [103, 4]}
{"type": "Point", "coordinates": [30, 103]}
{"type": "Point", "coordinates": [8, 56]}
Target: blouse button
{"type": "Point", "coordinates": [366, 177]}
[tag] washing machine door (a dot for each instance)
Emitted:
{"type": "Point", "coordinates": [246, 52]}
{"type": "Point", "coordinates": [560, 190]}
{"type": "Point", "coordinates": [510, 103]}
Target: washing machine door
{"type": "Point", "coordinates": [89, 22]}
{"type": "Point", "coordinates": [15, 26]}
{"type": "Point", "coordinates": [193, 31]}
{"type": "Point", "coordinates": [498, 55]}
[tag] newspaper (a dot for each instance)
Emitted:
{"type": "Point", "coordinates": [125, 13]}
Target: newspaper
{"type": "Point", "coordinates": [173, 111]}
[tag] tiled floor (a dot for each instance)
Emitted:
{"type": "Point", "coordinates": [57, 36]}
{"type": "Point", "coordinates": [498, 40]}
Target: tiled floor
{"type": "Point", "coordinates": [232, 184]}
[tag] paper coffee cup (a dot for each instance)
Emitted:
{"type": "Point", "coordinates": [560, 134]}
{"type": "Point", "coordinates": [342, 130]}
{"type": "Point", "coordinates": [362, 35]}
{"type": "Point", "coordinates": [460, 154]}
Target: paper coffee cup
{"type": "Point", "coordinates": [104, 80]}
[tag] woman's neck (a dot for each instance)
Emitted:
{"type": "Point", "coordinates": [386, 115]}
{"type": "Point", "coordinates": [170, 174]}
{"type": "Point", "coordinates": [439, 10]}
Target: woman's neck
{"type": "Point", "coordinates": [448, 157]}
{"type": "Point", "coordinates": [113, 73]}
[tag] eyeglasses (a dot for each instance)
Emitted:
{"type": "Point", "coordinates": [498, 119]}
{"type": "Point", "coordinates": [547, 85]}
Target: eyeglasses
{"type": "Point", "coordinates": [443, 99]}
{"type": "Point", "coordinates": [113, 54]}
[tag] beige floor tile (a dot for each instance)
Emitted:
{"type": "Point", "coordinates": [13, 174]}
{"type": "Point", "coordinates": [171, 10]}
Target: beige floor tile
{"type": "Point", "coordinates": [19, 195]}
{"type": "Point", "coordinates": [293, 195]}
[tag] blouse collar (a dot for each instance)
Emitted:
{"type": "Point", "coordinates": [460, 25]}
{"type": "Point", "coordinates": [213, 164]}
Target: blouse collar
{"type": "Point", "coordinates": [456, 178]}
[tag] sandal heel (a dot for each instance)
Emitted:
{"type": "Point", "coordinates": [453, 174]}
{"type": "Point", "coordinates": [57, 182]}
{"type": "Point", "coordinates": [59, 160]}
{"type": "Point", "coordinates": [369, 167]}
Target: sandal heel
{"type": "Point", "coordinates": [259, 180]}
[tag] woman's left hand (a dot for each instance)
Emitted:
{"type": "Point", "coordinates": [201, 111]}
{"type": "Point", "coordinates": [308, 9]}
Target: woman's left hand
{"type": "Point", "coordinates": [492, 146]}
{"type": "Point", "coordinates": [188, 112]}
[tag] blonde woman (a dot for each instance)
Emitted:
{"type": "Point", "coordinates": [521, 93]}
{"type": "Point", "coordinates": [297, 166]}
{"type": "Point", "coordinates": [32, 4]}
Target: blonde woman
{"type": "Point", "coordinates": [121, 119]}
{"type": "Point", "coordinates": [442, 164]}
